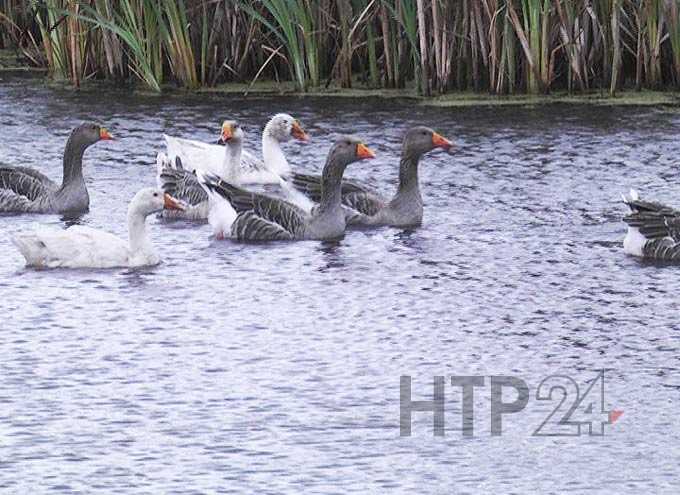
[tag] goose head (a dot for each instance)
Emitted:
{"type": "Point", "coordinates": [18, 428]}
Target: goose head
{"type": "Point", "coordinates": [283, 127]}
{"type": "Point", "coordinates": [150, 200]}
{"type": "Point", "coordinates": [420, 140]}
{"type": "Point", "coordinates": [349, 149]}
{"type": "Point", "coordinates": [87, 134]}
{"type": "Point", "coordinates": [232, 133]}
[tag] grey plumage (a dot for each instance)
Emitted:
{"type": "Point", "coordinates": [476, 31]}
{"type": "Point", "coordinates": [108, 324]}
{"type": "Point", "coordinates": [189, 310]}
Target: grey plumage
{"type": "Point", "coordinates": [251, 226]}
{"type": "Point", "coordinates": [183, 185]}
{"type": "Point", "coordinates": [260, 217]}
{"type": "Point", "coordinates": [651, 218]}
{"type": "Point", "coordinates": [364, 207]}
{"type": "Point", "coordinates": [363, 202]}
{"type": "Point", "coordinates": [665, 249]}
{"type": "Point", "coordinates": [358, 202]}
{"type": "Point", "coordinates": [24, 190]}
{"type": "Point", "coordinates": [659, 224]}
{"type": "Point", "coordinates": [263, 218]}
{"type": "Point", "coordinates": [310, 185]}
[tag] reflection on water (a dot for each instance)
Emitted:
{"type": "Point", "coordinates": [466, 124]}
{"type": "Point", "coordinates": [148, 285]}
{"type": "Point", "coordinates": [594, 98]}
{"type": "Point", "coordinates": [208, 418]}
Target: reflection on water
{"type": "Point", "coordinates": [275, 368]}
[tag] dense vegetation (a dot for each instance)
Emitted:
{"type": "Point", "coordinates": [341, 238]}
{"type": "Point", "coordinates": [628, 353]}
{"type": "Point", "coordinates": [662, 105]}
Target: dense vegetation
{"type": "Point", "coordinates": [497, 46]}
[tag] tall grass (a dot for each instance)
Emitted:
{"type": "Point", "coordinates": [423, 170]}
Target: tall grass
{"type": "Point", "coordinates": [293, 23]}
{"type": "Point", "coordinates": [434, 46]}
{"type": "Point", "coordinates": [135, 29]}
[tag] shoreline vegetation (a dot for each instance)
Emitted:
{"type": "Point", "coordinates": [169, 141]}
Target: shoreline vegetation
{"type": "Point", "coordinates": [10, 63]}
{"type": "Point", "coordinates": [438, 52]}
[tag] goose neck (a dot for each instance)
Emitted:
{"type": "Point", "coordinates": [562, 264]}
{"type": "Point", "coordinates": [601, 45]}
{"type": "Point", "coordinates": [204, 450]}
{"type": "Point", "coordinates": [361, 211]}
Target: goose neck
{"type": "Point", "coordinates": [408, 174]}
{"type": "Point", "coordinates": [272, 154]}
{"type": "Point", "coordinates": [331, 184]}
{"type": "Point", "coordinates": [73, 161]}
{"type": "Point", "coordinates": [137, 234]}
{"type": "Point", "coordinates": [232, 162]}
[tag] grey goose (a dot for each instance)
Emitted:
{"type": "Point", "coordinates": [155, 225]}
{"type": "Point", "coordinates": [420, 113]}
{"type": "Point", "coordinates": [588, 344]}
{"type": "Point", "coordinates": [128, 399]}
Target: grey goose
{"type": "Point", "coordinates": [259, 217]}
{"type": "Point", "coordinates": [365, 207]}
{"type": "Point", "coordinates": [25, 190]}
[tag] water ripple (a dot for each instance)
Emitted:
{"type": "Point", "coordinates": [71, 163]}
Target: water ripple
{"type": "Point", "coordinates": [275, 368]}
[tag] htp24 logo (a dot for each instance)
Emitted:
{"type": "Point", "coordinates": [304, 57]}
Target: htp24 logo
{"type": "Point", "coordinates": [574, 412]}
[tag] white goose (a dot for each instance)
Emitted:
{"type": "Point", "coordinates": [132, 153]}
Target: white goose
{"type": "Point", "coordinates": [181, 183]}
{"type": "Point", "coordinates": [213, 159]}
{"type": "Point", "coordinates": [237, 167]}
{"type": "Point", "coordinates": [85, 247]}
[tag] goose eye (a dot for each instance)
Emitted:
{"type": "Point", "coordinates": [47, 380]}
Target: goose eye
{"type": "Point", "coordinates": [155, 195]}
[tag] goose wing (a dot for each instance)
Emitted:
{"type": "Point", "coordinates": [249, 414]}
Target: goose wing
{"type": "Point", "coordinates": [249, 226]}
{"type": "Point", "coordinates": [653, 229]}
{"type": "Point", "coordinates": [182, 184]}
{"type": "Point", "coordinates": [195, 154]}
{"type": "Point", "coordinates": [21, 187]}
{"type": "Point", "coordinates": [354, 195]}
{"type": "Point", "coordinates": [661, 228]}
{"type": "Point", "coordinates": [260, 217]}
{"type": "Point", "coordinates": [365, 203]}
{"type": "Point", "coordinates": [311, 185]}
{"type": "Point", "coordinates": [665, 249]}
{"type": "Point", "coordinates": [653, 220]}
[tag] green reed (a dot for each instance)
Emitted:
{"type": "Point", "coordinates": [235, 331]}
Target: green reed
{"type": "Point", "coordinates": [498, 46]}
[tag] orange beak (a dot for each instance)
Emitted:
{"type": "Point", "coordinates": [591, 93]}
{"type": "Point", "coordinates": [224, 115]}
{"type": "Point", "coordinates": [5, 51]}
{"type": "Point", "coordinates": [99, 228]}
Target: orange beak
{"type": "Point", "coordinates": [104, 135]}
{"type": "Point", "coordinates": [227, 132]}
{"type": "Point", "coordinates": [440, 141]}
{"type": "Point", "coordinates": [363, 152]}
{"type": "Point", "coordinates": [171, 203]}
{"type": "Point", "coordinates": [298, 132]}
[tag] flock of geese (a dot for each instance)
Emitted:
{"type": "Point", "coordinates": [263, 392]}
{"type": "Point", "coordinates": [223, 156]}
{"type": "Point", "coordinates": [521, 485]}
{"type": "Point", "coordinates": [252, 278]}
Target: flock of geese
{"type": "Point", "coordinates": [215, 182]}
{"type": "Point", "coordinates": [200, 181]}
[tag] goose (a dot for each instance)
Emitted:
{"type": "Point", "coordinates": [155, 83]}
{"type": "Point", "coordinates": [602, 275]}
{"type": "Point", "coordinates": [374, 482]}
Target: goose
{"type": "Point", "coordinates": [85, 247]}
{"type": "Point", "coordinates": [211, 158]}
{"type": "Point", "coordinates": [653, 229]}
{"type": "Point", "coordinates": [237, 166]}
{"type": "Point", "coordinates": [25, 190]}
{"type": "Point", "coordinates": [263, 218]}
{"type": "Point", "coordinates": [365, 207]}
{"type": "Point", "coordinates": [182, 184]}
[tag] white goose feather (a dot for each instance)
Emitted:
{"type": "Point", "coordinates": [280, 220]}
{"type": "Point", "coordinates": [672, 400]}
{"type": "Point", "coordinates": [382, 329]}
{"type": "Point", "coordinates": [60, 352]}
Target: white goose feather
{"type": "Point", "coordinates": [85, 247]}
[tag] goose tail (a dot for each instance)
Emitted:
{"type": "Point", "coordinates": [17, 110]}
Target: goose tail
{"type": "Point", "coordinates": [221, 214]}
{"type": "Point", "coordinates": [169, 176]}
{"type": "Point", "coordinates": [172, 147]}
{"type": "Point", "coordinates": [632, 197]}
{"type": "Point", "coordinates": [635, 241]}
{"type": "Point", "coordinates": [162, 162]}
{"type": "Point", "coordinates": [31, 248]}
{"type": "Point", "coordinates": [648, 217]}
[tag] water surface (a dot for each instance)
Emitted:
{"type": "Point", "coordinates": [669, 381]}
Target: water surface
{"type": "Point", "coordinates": [275, 368]}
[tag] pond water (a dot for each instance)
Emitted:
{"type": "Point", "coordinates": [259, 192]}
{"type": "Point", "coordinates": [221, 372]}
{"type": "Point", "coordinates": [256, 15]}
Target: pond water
{"type": "Point", "coordinates": [276, 368]}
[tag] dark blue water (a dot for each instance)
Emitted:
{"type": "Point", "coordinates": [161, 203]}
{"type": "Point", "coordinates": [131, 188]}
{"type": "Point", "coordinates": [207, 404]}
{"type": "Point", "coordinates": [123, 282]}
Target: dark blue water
{"type": "Point", "coordinates": [276, 368]}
